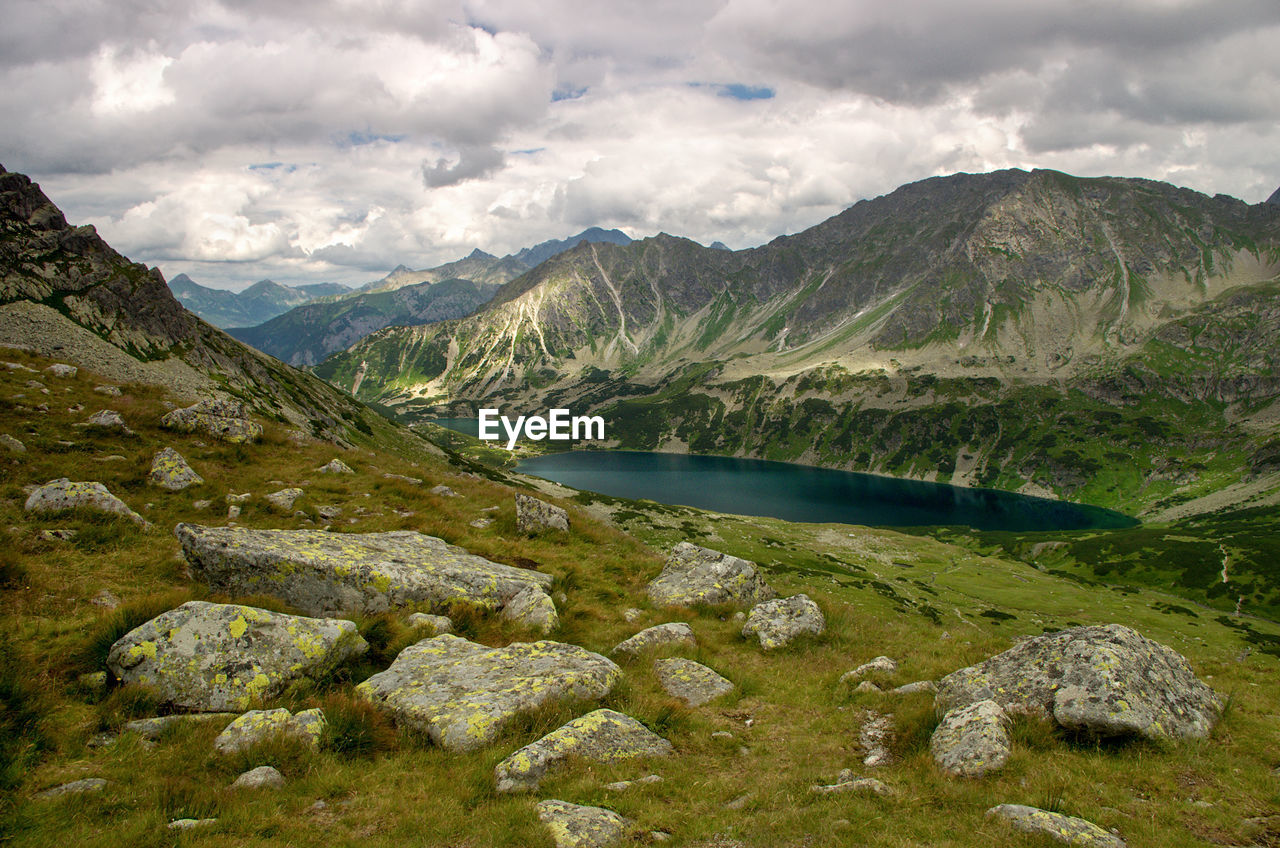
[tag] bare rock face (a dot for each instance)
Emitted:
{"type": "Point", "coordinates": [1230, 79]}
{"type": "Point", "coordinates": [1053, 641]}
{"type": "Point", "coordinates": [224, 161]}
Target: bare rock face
{"type": "Point", "coordinates": [169, 470]}
{"type": "Point", "coordinates": [461, 694]}
{"type": "Point", "coordinates": [575, 826]}
{"type": "Point", "coordinates": [780, 622]}
{"type": "Point", "coordinates": [692, 682]}
{"type": "Point", "coordinates": [1069, 829]}
{"type": "Point", "coordinates": [694, 575]}
{"type": "Point", "coordinates": [971, 741]}
{"type": "Point", "coordinates": [214, 657]}
{"type": "Point", "coordinates": [329, 573]}
{"type": "Point", "coordinates": [1104, 680]}
{"type": "Point", "coordinates": [533, 515]}
{"type": "Point", "coordinates": [603, 736]}
{"type": "Point", "coordinates": [226, 420]}
{"type": "Point", "coordinates": [63, 494]}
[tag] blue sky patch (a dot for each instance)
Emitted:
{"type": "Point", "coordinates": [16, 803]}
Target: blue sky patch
{"type": "Point", "coordinates": [739, 91]}
{"type": "Point", "coordinates": [565, 92]}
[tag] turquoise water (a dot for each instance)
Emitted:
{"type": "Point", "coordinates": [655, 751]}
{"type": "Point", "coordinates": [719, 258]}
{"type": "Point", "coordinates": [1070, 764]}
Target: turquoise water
{"type": "Point", "coordinates": [808, 494]}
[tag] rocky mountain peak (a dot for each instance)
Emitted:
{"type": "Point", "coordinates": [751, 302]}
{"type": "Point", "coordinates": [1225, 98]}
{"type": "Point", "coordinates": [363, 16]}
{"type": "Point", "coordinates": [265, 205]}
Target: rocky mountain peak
{"type": "Point", "coordinates": [1274, 199]}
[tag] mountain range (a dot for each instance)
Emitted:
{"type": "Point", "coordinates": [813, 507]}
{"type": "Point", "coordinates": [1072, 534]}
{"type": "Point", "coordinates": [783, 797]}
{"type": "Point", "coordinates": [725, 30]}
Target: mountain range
{"type": "Point", "coordinates": [971, 328]}
{"type": "Point", "coordinates": [260, 302]}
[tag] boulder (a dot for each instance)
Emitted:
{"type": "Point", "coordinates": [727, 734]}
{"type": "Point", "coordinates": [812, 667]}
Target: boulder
{"type": "Point", "coordinates": [226, 420]}
{"type": "Point", "coordinates": [106, 419]}
{"type": "Point", "coordinates": [533, 515]}
{"type": "Point", "coordinates": [262, 777]}
{"type": "Point", "coordinates": [1104, 680]}
{"type": "Point", "coordinates": [971, 741]}
{"type": "Point", "coordinates": [284, 499]}
{"type": "Point", "coordinates": [258, 726]}
{"type": "Point", "coordinates": [213, 657]}
{"type": "Point", "coordinates": [533, 608]}
{"type": "Point", "coordinates": [170, 471]}
{"type": "Point", "coordinates": [692, 682]}
{"type": "Point", "coordinates": [63, 494]}
{"type": "Point", "coordinates": [335, 466]}
{"type": "Point", "coordinates": [325, 573]}
{"type": "Point", "coordinates": [603, 736]}
{"type": "Point", "coordinates": [461, 694]}
{"type": "Point", "coordinates": [779, 622]}
{"type": "Point", "coordinates": [1069, 829]}
{"type": "Point", "coordinates": [658, 636]}
{"type": "Point", "coordinates": [694, 575]}
{"type": "Point", "coordinates": [575, 826]}
{"type": "Point", "coordinates": [432, 625]}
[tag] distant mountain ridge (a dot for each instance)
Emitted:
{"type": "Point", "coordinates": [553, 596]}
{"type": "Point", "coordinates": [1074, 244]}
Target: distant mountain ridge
{"type": "Point", "coordinates": [260, 302]}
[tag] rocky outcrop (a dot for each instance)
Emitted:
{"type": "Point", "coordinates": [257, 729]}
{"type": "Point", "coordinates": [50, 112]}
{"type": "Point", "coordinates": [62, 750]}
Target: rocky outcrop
{"type": "Point", "coordinates": [1104, 680]}
{"type": "Point", "coordinates": [170, 471]}
{"type": "Point", "coordinates": [328, 573]}
{"type": "Point", "coordinates": [226, 420]}
{"type": "Point", "coordinates": [694, 575]}
{"type": "Point", "coordinates": [971, 741]}
{"type": "Point", "coordinates": [675, 633]}
{"type": "Point", "coordinates": [692, 682]}
{"type": "Point", "coordinates": [575, 826]}
{"type": "Point", "coordinates": [461, 694]}
{"type": "Point", "coordinates": [533, 515]}
{"type": "Point", "coordinates": [1076, 832]}
{"type": "Point", "coordinates": [62, 494]}
{"type": "Point", "coordinates": [603, 736]}
{"type": "Point", "coordinates": [258, 726]}
{"type": "Point", "coordinates": [213, 657]}
{"type": "Point", "coordinates": [779, 622]}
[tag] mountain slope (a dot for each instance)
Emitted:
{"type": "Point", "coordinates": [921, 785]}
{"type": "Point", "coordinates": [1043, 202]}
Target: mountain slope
{"type": "Point", "coordinates": [65, 293]}
{"type": "Point", "coordinates": [260, 302]}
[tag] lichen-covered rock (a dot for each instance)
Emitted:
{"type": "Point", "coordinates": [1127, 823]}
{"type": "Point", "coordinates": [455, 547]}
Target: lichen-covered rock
{"type": "Point", "coordinates": [285, 498]}
{"type": "Point", "coordinates": [780, 622]}
{"type": "Point", "coordinates": [971, 741]}
{"type": "Point", "coordinates": [444, 491]}
{"type": "Point", "coordinates": [658, 636]}
{"type": "Point", "coordinates": [226, 420]}
{"type": "Point", "coordinates": [262, 777]}
{"type": "Point", "coordinates": [883, 665]}
{"type": "Point", "coordinates": [913, 688]}
{"type": "Point", "coordinates": [533, 515]}
{"type": "Point", "coordinates": [1073, 831]}
{"type": "Point", "coordinates": [12, 444]}
{"type": "Point", "coordinates": [63, 494]}
{"type": "Point", "coordinates": [335, 466]}
{"type": "Point", "coordinates": [258, 726]}
{"type": "Point", "coordinates": [604, 736]}
{"type": "Point", "coordinates": [876, 736]}
{"type": "Point", "coordinates": [214, 657]}
{"type": "Point", "coordinates": [431, 625]}
{"type": "Point", "coordinates": [106, 419]}
{"type": "Point", "coordinates": [860, 784]}
{"type": "Point", "coordinates": [461, 694]}
{"type": "Point", "coordinates": [694, 575]}
{"type": "Point", "coordinates": [533, 608]}
{"type": "Point", "coordinates": [152, 729]}
{"type": "Point", "coordinates": [692, 682]}
{"type": "Point", "coordinates": [109, 391]}
{"type": "Point", "coordinates": [75, 787]}
{"type": "Point", "coordinates": [328, 573]}
{"type": "Point", "coordinates": [170, 471]}
{"type": "Point", "coordinates": [1105, 680]}
{"type": "Point", "coordinates": [575, 826]}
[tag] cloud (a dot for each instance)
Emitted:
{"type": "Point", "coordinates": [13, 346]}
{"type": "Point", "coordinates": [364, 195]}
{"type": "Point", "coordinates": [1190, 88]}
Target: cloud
{"type": "Point", "coordinates": [472, 163]}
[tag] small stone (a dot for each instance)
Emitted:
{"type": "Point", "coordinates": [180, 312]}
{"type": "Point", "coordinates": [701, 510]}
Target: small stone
{"type": "Point", "coordinates": [109, 391]}
{"type": "Point", "coordinates": [57, 535]}
{"type": "Point", "coordinates": [202, 504]}
{"type": "Point", "coordinates": [241, 498]}
{"type": "Point", "coordinates": [865, 784]}
{"type": "Point", "coordinates": [258, 726]}
{"type": "Point", "coordinates": [868, 687]}
{"type": "Point", "coordinates": [191, 824]}
{"type": "Point", "coordinates": [93, 681]}
{"type": "Point", "coordinates": [575, 826]}
{"type": "Point", "coordinates": [431, 625]}
{"type": "Point", "coordinates": [533, 515]}
{"type": "Point", "coordinates": [779, 622]}
{"type": "Point", "coordinates": [883, 665]}
{"type": "Point", "coordinates": [106, 419]}
{"type": "Point", "coordinates": [913, 688]}
{"type": "Point", "coordinates": [12, 444]}
{"type": "Point", "coordinates": [233, 511]}
{"type": "Point", "coordinates": [444, 491]}
{"type": "Point", "coordinates": [413, 481]}
{"type": "Point", "coordinates": [1069, 829]}
{"type": "Point", "coordinates": [329, 513]}
{"type": "Point", "coordinates": [284, 499]}
{"type": "Point", "coordinates": [631, 615]}
{"type": "Point", "coordinates": [738, 803]}
{"type": "Point", "coordinates": [722, 734]}
{"type": "Point", "coordinates": [75, 787]}
{"type": "Point", "coordinates": [105, 599]}
{"type": "Point", "coordinates": [335, 466]}
{"type": "Point", "coordinates": [61, 370]}
{"type": "Point", "coordinates": [481, 523]}
{"type": "Point", "coordinates": [262, 777]}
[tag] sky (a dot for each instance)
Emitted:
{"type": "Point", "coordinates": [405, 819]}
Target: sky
{"type": "Point", "coordinates": [236, 140]}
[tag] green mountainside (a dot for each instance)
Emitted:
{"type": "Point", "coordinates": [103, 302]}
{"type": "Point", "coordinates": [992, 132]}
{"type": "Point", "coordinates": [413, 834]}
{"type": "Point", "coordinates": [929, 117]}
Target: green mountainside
{"type": "Point", "coordinates": [260, 302]}
{"type": "Point", "coordinates": [983, 329]}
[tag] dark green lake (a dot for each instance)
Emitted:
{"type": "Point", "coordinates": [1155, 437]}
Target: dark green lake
{"type": "Point", "coordinates": [808, 494]}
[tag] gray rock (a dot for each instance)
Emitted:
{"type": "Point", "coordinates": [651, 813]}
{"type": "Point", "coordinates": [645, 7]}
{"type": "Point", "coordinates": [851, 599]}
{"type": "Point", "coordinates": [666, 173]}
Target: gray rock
{"type": "Point", "coordinates": [1069, 829]}
{"type": "Point", "coordinates": [883, 665]}
{"type": "Point", "coordinates": [284, 499]}
{"type": "Point", "coordinates": [631, 615]}
{"type": "Point", "coordinates": [694, 575]}
{"type": "Point", "coordinates": [534, 609]}
{"type": "Point", "coordinates": [191, 824]}
{"type": "Point", "coordinates": [658, 636]}
{"type": "Point", "coordinates": [444, 491]}
{"type": "Point", "coordinates": [329, 513]}
{"type": "Point", "coordinates": [93, 681]}
{"type": "Point", "coordinates": [622, 785]}
{"type": "Point", "coordinates": [258, 726]}
{"type": "Point", "coordinates": [106, 419]}
{"type": "Point", "coordinates": [574, 826]}
{"type": "Point", "coordinates": [262, 777]}
{"type": "Point", "coordinates": [780, 622]}
{"type": "Point", "coordinates": [233, 511]}
{"type": "Point", "coordinates": [1105, 680]}
{"type": "Point", "coordinates": [481, 523]}
{"type": "Point", "coordinates": [75, 787]}
{"type": "Point", "coordinates": [105, 599]}
{"type": "Point", "coordinates": [603, 736]}
{"type": "Point", "coordinates": [62, 370]}
{"type": "Point", "coordinates": [876, 738]}
{"type": "Point", "coordinates": [431, 625]}
{"type": "Point", "coordinates": [862, 784]}
{"type": "Point", "coordinates": [13, 445]}
{"type": "Point", "coordinates": [324, 573]}
{"type": "Point", "coordinates": [58, 535]}
{"type": "Point", "coordinates": [692, 682]}
{"type": "Point", "coordinates": [335, 466]}
{"type": "Point", "coordinates": [226, 420]}
{"type": "Point", "coordinates": [413, 481]}
{"type": "Point", "coordinates": [868, 687]}
{"type": "Point", "coordinates": [533, 515]}
{"type": "Point", "coordinates": [63, 494]}
{"type": "Point", "coordinates": [462, 694]}
{"type": "Point", "coordinates": [971, 741]}
{"type": "Point", "coordinates": [215, 657]}
{"type": "Point", "coordinates": [170, 471]}
{"type": "Point", "coordinates": [154, 728]}
{"type": "Point", "coordinates": [918, 686]}
{"type": "Point", "coordinates": [109, 391]}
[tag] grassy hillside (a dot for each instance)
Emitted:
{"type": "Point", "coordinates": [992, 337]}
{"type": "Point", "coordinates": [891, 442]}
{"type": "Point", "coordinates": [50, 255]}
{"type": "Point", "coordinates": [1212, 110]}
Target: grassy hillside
{"type": "Point", "coordinates": [934, 605]}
